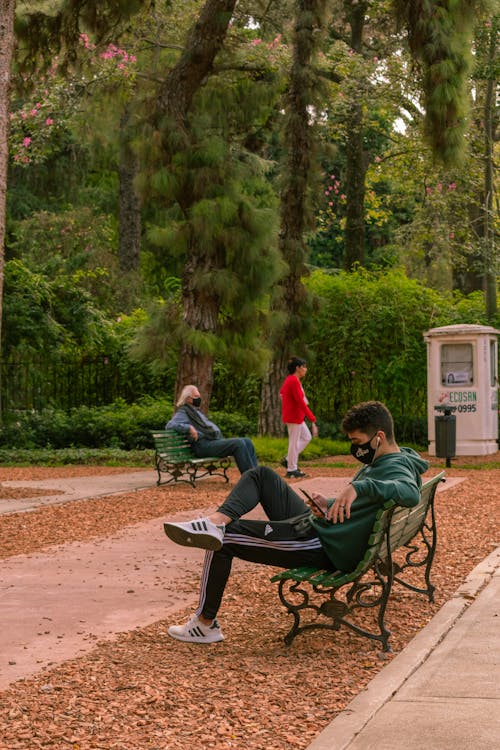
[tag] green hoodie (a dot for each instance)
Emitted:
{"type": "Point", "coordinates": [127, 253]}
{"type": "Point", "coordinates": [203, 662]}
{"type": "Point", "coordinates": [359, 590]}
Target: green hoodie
{"type": "Point", "coordinates": [394, 476]}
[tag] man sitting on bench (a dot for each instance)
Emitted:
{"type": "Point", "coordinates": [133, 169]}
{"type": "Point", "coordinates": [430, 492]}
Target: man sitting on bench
{"type": "Point", "coordinates": [331, 534]}
{"type": "Point", "coordinates": [206, 438]}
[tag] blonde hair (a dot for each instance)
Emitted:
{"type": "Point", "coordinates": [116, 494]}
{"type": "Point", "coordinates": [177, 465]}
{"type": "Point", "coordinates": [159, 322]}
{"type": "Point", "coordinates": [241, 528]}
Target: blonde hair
{"type": "Point", "coordinates": [187, 392]}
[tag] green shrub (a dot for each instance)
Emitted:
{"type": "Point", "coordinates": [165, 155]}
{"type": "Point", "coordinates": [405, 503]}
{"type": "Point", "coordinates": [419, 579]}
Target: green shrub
{"type": "Point", "coordinates": [117, 425]}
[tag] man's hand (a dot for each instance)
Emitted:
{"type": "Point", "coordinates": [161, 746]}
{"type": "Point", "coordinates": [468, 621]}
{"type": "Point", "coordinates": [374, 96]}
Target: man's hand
{"type": "Point", "coordinates": [314, 429]}
{"type": "Point", "coordinates": [193, 432]}
{"type": "Point", "coordinates": [341, 508]}
{"type": "Point", "coordinates": [317, 504]}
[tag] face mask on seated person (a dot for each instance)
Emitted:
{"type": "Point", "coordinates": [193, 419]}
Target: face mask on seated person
{"type": "Point", "coordinates": [197, 401]}
{"type": "Point", "coordinates": [364, 452]}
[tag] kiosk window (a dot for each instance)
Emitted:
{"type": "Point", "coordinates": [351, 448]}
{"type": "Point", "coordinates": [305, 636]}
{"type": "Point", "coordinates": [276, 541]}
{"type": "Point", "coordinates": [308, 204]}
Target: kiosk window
{"type": "Point", "coordinates": [456, 364]}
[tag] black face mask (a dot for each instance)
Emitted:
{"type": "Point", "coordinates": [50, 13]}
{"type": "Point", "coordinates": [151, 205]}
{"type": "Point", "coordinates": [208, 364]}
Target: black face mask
{"type": "Point", "coordinates": [364, 452]}
{"type": "Point", "coordinates": [196, 401]}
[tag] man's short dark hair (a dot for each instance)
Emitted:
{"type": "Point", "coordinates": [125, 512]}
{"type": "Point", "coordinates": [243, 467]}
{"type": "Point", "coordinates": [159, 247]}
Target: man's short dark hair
{"type": "Point", "coordinates": [293, 363]}
{"type": "Point", "coordinates": [369, 417]}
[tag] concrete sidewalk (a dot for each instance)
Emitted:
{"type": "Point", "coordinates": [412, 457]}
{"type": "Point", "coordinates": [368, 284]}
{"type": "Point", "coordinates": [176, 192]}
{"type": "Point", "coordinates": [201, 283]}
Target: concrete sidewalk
{"type": "Point", "coordinates": [443, 690]}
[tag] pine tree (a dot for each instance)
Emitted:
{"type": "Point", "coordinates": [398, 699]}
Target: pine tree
{"type": "Point", "coordinates": [218, 217]}
{"type": "Point", "coordinates": [440, 34]}
{"type": "Point", "coordinates": [291, 298]}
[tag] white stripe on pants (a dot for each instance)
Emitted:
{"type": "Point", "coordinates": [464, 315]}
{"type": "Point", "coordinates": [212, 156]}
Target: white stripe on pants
{"type": "Point", "coordinates": [299, 436]}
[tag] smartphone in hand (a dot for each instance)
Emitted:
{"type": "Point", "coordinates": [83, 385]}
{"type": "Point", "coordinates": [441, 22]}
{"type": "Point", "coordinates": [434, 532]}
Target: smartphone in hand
{"type": "Point", "coordinates": [313, 501]}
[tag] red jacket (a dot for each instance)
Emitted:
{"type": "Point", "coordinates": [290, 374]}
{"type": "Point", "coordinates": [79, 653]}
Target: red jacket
{"type": "Point", "coordinates": [294, 406]}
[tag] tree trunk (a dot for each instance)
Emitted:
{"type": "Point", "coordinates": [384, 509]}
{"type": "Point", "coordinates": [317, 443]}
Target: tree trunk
{"type": "Point", "coordinates": [200, 311]}
{"type": "Point", "coordinates": [356, 157]}
{"type": "Point", "coordinates": [7, 10]}
{"type": "Point", "coordinates": [490, 282]}
{"type": "Point", "coordinates": [291, 295]}
{"type": "Point", "coordinates": [129, 213]}
{"type": "Point", "coordinates": [203, 42]}
{"type": "Point", "coordinates": [270, 422]}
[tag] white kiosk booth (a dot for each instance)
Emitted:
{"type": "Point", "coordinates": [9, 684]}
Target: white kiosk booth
{"type": "Point", "coordinates": [462, 373]}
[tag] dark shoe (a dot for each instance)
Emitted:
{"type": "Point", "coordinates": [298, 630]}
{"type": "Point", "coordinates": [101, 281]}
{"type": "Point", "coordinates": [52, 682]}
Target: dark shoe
{"type": "Point", "coordinates": [297, 474]}
{"type": "Point", "coordinates": [284, 462]}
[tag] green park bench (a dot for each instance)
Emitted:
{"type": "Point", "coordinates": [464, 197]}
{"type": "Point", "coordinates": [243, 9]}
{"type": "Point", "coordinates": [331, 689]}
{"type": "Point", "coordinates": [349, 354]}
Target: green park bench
{"type": "Point", "coordinates": [333, 596]}
{"type": "Point", "coordinates": [175, 459]}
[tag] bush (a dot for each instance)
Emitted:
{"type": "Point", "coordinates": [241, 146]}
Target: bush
{"type": "Point", "coordinates": [117, 425]}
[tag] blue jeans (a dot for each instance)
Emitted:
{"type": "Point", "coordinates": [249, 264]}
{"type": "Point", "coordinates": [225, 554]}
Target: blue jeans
{"type": "Point", "coordinates": [240, 448]}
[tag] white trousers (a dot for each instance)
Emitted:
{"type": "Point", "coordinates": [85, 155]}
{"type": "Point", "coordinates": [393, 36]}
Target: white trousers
{"type": "Point", "coordinates": [299, 436]}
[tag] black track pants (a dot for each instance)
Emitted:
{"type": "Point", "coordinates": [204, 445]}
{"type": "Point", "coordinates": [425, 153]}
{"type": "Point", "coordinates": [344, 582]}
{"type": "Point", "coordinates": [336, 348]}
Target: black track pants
{"type": "Point", "coordinates": [277, 541]}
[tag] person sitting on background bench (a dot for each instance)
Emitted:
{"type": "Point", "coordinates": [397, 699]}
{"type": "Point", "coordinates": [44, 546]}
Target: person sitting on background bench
{"type": "Point", "coordinates": [206, 438]}
{"type": "Point", "coordinates": [333, 534]}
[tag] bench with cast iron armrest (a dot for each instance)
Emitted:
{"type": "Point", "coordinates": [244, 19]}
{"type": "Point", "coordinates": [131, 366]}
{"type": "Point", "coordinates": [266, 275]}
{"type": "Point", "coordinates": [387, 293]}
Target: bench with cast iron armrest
{"type": "Point", "coordinates": [175, 459]}
{"type": "Point", "coordinates": [370, 584]}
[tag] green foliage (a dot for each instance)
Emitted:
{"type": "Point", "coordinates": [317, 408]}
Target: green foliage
{"type": "Point", "coordinates": [441, 39]}
{"type": "Point", "coordinates": [368, 340]}
{"type": "Point", "coordinates": [117, 425]}
{"type": "Point", "coordinates": [43, 315]}
{"type": "Point", "coordinates": [75, 456]}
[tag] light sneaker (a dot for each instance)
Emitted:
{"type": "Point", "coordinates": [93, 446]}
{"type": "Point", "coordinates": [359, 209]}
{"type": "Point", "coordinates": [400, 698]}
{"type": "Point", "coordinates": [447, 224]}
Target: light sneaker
{"type": "Point", "coordinates": [195, 632]}
{"type": "Point", "coordinates": [199, 533]}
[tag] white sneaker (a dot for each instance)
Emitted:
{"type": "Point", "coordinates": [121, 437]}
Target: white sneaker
{"type": "Point", "coordinates": [200, 533]}
{"type": "Point", "coordinates": [195, 632]}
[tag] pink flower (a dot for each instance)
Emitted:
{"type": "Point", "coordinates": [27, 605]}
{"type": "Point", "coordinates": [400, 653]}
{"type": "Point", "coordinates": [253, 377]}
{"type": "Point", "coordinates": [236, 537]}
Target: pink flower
{"type": "Point", "coordinates": [326, 192]}
{"type": "Point", "coordinates": [429, 190]}
{"type": "Point", "coordinates": [26, 142]}
{"type": "Point", "coordinates": [342, 197]}
{"type": "Point", "coordinates": [255, 42]}
{"type": "Point", "coordinates": [378, 159]}
{"type": "Point", "coordinates": [330, 203]}
{"type": "Point", "coordinates": [375, 59]}
{"type": "Point", "coordinates": [49, 121]}
{"type": "Point", "coordinates": [452, 186]}
{"type": "Point", "coordinates": [33, 112]}
{"type": "Point", "coordinates": [439, 186]}
{"type": "Point", "coordinates": [451, 235]}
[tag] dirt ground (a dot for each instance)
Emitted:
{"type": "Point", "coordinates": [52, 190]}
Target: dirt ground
{"type": "Point", "coordinates": [144, 691]}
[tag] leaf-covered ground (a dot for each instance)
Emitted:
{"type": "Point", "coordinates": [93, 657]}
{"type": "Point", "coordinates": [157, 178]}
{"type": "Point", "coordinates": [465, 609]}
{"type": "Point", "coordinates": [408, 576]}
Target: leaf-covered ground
{"type": "Point", "coordinates": [144, 691]}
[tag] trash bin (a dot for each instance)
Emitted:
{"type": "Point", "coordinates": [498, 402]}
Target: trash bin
{"type": "Point", "coordinates": [445, 425]}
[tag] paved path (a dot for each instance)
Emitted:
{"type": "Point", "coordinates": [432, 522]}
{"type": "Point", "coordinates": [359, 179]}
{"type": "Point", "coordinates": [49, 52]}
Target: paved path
{"type": "Point", "coordinates": [57, 603]}
{"type": "Point", "coordinates": [442, 692]}
{"type": "Point", "coordinates": [76, 488]}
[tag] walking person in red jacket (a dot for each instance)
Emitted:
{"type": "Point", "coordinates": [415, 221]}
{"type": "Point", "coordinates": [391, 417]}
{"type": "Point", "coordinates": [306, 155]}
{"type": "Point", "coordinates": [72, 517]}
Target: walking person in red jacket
{"type": "Point", "coordinates": [294, 408]}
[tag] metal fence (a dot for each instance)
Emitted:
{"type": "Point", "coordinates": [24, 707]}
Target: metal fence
{"type": "Point", "coordinates": [63, 384]}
